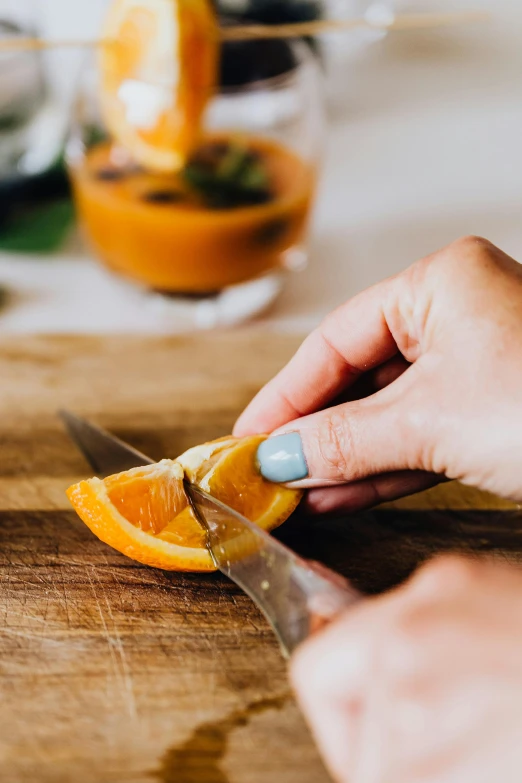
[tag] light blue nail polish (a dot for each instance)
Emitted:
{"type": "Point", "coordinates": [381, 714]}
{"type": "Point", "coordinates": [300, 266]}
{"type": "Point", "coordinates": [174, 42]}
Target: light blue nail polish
{"type": "Point", "coordinates": [281, 458]}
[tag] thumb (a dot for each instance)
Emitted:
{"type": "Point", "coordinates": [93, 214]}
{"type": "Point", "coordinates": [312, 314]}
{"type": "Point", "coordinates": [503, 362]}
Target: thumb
{"type": "Point", "coordinates": [345, 443]}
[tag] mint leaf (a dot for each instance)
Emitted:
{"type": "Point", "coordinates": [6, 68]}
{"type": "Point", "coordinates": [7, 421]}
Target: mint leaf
{"type": "Point", "coordinates": [227, 175]}
{"type": "Point", "coordinates": [40, 229]}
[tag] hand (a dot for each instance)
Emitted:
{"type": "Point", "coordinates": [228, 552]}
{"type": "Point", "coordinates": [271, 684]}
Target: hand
{"type": "Point", "coordinates": [423, 685]}
{"type": "Point", "coordinates": [442, 345]}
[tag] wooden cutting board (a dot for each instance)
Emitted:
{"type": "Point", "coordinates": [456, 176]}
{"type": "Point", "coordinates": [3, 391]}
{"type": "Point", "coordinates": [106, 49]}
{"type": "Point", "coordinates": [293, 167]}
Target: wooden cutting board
{"type": "Point", "coordinates": [114, 672]}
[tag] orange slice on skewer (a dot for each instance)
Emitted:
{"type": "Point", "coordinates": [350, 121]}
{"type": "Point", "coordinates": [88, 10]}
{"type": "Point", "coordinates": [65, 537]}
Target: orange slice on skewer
{"type": "Point", "coordinates": [158, 70]}
{"type": "Point", "coordinates": [145, 513]}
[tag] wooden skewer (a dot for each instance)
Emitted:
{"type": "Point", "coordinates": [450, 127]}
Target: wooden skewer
{"type": "Point", "coordinates": [289, 30]}
{"type": "Point", "coordinates": [298, 29]}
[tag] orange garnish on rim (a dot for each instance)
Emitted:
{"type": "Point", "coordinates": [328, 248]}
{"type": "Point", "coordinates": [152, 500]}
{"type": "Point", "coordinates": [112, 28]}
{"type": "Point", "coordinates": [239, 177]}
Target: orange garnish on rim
{"type": "Point", "coordinates": [158, 72]}
{"type": "Point", "coordinates": [145, 513]}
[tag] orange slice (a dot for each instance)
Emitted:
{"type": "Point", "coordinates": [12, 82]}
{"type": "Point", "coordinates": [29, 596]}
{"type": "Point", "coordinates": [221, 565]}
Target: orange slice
{"type": "Point", "coordinates": [158, 71]}
{"type": "Point", "coordinates": [145, 513]}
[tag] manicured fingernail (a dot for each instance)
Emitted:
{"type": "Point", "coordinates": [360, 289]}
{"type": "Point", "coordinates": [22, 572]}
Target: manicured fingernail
{"type": "Point", "coordinates": [281, 458]}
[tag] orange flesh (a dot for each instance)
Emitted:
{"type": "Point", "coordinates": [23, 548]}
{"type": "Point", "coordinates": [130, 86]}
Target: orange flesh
{"type": "Point", "coordinates": [121, 60]}
{"type": "Point", "coordinates": [245, 490]}
{"type": "Point", "coordinates": [158, 508]}
{"type": "Point", "coordinates": [185, 246]}
{"type": "Point", "coordinates": [136, 34]}
{"type": "Point", "coordinates": [184, 530]}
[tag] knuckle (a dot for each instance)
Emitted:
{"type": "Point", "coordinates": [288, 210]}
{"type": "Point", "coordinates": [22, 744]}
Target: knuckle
{"type": "Point", "coordinates": [335, 445]}
{"type": "Point", "coordinates": [472, 244]}
{"type": "Point", "coordinates": [466, 253]}
{"type": "Point", "coordinates": [472, 253]}
{"type": "Point", "coordinates": [447, 574]}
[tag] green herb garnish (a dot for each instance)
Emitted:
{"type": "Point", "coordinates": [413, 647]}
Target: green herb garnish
{"type": "Point", "coordinates": [37, 229]}
{"type": "Point", "coordinates": [226, 175]}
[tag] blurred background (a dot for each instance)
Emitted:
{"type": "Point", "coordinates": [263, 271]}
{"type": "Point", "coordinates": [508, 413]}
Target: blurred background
{"type": "Point", "coordinates": [421, 145]}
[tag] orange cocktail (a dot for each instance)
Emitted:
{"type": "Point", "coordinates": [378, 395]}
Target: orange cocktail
{"type": "Point", "coordinates": [204, 228]}
{"type": "Point", "coordinates": [192, 159]}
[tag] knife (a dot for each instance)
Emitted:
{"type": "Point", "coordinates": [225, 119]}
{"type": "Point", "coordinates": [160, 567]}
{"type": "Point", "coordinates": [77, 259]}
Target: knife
{"type": "Point", "coordinates": [296, 596]}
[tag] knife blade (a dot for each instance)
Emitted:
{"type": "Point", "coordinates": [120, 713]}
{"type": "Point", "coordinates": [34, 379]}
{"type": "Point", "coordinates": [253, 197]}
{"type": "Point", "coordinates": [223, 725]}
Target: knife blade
{"type": "Point", "coordinates": [105, 453]}
{"type": "Point", "coordinates": [296, 596]}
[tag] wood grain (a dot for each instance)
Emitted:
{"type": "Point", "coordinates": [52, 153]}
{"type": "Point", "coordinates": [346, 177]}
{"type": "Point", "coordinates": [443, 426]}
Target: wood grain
{"type": "Point", "coordinates": [111, 671]}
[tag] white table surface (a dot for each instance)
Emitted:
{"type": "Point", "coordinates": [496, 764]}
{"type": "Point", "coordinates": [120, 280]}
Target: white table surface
{"type": "Point", "coordinates": [425, 146]}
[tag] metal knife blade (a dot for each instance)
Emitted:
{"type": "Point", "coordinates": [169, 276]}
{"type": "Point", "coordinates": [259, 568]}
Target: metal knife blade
{"type": "Point", "coordinates": [295, 595]}
{"type": "Point", "coordinates": [104, 452]}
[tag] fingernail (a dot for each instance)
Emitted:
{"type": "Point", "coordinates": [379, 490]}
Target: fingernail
{"type": "Point", "coordinates": [281, 458]}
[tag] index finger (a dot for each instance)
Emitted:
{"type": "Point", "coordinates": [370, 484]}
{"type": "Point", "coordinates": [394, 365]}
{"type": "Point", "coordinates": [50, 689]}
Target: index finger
{"type": "Point", "coordinates": [353, 339]}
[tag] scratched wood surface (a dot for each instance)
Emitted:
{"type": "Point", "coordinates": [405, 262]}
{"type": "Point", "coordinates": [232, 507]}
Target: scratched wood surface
{"type": "Point", "coordinates": [111, 671]}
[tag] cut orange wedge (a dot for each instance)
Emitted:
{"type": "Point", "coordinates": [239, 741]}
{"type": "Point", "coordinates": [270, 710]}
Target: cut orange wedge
{"type": "Point", "coordinates": [145, 514]}
{"type": "Point", "coordinates": [158, 71]}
